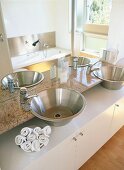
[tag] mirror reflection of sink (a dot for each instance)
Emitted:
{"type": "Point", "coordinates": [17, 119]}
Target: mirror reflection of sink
{"type": "Point", "coordinates": [23, 79]}
{"type": "Point", "coordinates": [58, 106]}
{"type": "Point", "coordinates": [82, 61]}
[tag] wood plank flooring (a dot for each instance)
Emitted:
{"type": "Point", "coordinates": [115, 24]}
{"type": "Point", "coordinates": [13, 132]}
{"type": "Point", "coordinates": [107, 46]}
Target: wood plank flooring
{"type": "Point", "coordinates": [110, 156]}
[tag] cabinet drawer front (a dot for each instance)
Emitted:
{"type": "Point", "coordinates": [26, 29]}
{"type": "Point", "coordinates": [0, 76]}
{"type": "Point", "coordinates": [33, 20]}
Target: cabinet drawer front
{"type": "Point", "coordinates": [62, 157]}
{"type": "Point", "coordinates": [95, 135]}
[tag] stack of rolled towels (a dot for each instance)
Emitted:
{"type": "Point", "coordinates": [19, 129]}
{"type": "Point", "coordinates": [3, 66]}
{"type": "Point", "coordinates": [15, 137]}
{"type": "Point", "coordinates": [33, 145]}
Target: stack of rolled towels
{"type": "Point", "coordinates": [33, 139]}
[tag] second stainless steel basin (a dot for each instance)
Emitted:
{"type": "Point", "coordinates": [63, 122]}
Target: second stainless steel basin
{"type": "Point", "coordinates": [112, 76]}
{"type": "Point", "coordinates": [58, 106]}
{"type": "Point", "coordinates": [82, 61]}
{"type": "Point", "coordinates": [23, 79]}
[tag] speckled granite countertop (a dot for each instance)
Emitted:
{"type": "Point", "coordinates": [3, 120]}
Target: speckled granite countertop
{"type": "Point", "coordinates": [12, 115]}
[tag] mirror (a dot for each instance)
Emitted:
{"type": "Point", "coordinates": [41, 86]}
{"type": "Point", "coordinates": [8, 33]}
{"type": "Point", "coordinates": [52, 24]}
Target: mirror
{"type": "Point", "coordinates": [39, 17]}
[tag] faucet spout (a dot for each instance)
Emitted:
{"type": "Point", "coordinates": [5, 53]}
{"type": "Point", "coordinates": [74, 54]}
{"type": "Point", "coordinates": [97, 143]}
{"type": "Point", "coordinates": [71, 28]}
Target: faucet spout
{"type": "Point", "coordinates": [90, 70]}
{"type": "Point", "coordinates": [11, 85]}
{"type": "Point", "coordinates": [35, 43]}
{"type": "Point", "coordinates": [29, 97]}
{"type": "Point", "coordinates": [24, 98]}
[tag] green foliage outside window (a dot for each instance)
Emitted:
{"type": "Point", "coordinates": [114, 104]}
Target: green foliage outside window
{"type": "Point", "coordinates": [99, 12]}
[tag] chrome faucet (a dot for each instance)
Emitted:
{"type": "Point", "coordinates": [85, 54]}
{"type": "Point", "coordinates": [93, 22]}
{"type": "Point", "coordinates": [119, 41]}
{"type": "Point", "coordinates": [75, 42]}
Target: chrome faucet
{"type": "Point", "coordinates": [11, 86]}
{"type": "Point", "coordinates": [24, 99]}
{"type": "Point", "coordinates": [35, 43]}
{"type": "Point", "coordinates": [90, 70]}
{"type": "Point", "coordinates": [45, 45]}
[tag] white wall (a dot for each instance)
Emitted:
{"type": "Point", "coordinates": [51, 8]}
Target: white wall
{"type": "Point", "coordinates": [24, 17]}
{"type": "Point", "coordinates": [116, 28]}
{"type": "Point", "coordinates": [63, 37]}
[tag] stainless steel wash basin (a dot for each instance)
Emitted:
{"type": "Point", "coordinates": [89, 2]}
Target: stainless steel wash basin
{"type": "Point", "coordinates": [58, 106]}
{"type": "Point", "coordinates": [23, 79]}
{"type": "Point", "coordinates": [112, 76]}
{"type": "Point", "coordinates": [83, 62]}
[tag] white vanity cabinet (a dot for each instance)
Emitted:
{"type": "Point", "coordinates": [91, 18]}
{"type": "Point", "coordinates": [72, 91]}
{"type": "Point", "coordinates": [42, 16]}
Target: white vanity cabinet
{"type": "Point", "coordinates": [72, 153]}
{"type": "Point", "coordinates": [118, 117]}
{"type": "Point", "coordinates": [62, 157]}
{"type": "Point", "coordinates": [72, 145]}
{"type": "Point", "coordinates": [92, 137]}
{"type": "Point", "coordinates": [98, 131]}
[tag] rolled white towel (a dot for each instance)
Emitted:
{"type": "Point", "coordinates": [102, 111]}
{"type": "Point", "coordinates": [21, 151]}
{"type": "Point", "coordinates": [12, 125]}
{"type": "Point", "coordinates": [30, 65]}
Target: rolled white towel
{"type": "Point", "coordinates": [43, 140]}
{"type": "Point", "coordinates": [36, 146]}
{"type": "Point", "coordinates": [26, 131]}
{"type": "Point", "coordinates": [46, 131]}
{"type": "Point", "coordinates": [31, 137]}
{"type": "Point", "coordinates": [37, 130]}
{"type": "Point", "coordinates": [26, 146]}
{"type": "Point", "coordinates": [19, 139]}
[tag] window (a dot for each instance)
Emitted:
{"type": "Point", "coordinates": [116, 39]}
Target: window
{"type": "Point", "coordinates": [97, 23]}
{"type": "Point", "coordinates": [95, 37]}
{"type": "Point", "coordinates": [92, 20]}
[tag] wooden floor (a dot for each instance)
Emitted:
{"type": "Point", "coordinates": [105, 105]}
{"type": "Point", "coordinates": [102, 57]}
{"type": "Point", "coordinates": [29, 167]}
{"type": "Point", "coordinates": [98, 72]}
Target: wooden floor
{"type": "Point", "coordinates": [110, 156]}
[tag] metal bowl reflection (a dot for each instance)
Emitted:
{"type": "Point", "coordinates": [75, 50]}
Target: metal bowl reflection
{"type": "Point", "coordinates": [83, 62]}
{"type": "Point", "coordinates": [23, 79]}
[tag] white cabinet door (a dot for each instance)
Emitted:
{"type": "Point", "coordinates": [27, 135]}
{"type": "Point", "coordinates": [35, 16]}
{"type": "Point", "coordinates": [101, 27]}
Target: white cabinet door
{"type": "Point", "coordinates": [66, 155]}
{"type": "Point", "coordinates": [118, 117]}
{"type": "Point", "coordinates": [62, 157]}
{"type": "Point", "coordinates": [95, 135]}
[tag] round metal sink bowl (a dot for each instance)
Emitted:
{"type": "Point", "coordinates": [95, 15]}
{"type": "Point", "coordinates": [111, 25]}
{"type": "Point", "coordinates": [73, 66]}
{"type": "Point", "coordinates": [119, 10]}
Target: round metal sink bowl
{"type": "Point", "coordinates": [112, 76]}
{"type": "Point", "coordinates": [23, 79]}
{"type": "Point", "coordinates": [83, 62]}
{"type": "Point", "coordinates": [58, 106]}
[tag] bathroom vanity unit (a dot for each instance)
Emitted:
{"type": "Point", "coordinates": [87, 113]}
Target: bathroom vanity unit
{"type": "Point", "coordinates": [71, 145]}
{"type": "Point", "coordinates": [10, 113]}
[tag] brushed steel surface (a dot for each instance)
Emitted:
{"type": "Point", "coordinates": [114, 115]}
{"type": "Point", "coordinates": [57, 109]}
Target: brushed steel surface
{"type": "Point", "coordinates": [1, 37]}
{"type": "Point", "coordinates": [82, 61]}
{"type": "Point", "coordinates": [112, 76]}
{"type": "Point", "coordinates": [23, 79]}
{"type": "Point", "coordinates": [58, 106]}
{"type": "Point", "coordinates": [23, 45]}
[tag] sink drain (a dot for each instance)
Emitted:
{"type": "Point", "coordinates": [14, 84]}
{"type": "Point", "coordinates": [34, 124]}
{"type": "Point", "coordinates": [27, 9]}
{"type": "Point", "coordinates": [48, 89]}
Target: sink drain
{"type": "Point", "coordinates": [57, 115]}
